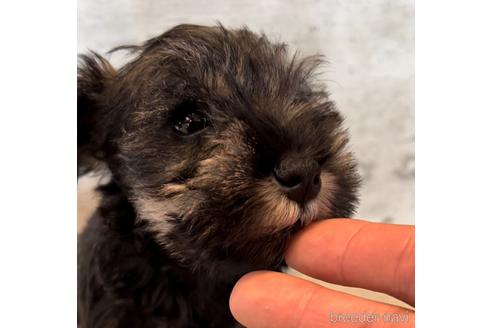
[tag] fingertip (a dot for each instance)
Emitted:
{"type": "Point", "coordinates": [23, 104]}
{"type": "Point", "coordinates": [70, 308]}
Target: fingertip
{"type": "Point", "coordinates": [239, 293]}
{"type": "Point", "coordinates": [266, 299]}
{"type": "Point", "coordinates": [247, 294]}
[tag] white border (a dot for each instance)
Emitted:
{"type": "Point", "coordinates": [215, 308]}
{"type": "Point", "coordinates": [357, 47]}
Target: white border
{"type": "Point", "coordinates": [38, 163]}
{"type": "Point", "coordinates": [453, 163]}
{"type": "Point", "coordinates": [38, 160]}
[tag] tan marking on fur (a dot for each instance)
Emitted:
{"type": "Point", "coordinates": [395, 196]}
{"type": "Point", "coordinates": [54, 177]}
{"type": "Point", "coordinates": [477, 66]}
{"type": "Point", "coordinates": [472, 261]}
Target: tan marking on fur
{"type": "Point", "coordinates": [157, 213]}
{"type": "Point", "coordinates": [339, 141]}
{"type": "Point", "coordinates": [174, 188]}
{"type": "Point", "coordinates": [344, 159]}
{"type": "Point", "coordinates": [326, 194]}
{"type": "Point", "coordinates": [277, 210]}
{"type": "Point", "coordinates": [154, 212]}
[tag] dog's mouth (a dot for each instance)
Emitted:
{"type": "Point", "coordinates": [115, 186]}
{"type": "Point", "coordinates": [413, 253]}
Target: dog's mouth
{"type": "Point", "coordinates": [290, 213]}
{"type": "Point", "coordinates": [280, 212]}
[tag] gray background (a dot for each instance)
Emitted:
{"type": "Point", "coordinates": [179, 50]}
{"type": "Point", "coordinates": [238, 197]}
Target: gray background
{"type": "Point", "coordinates": [370, 47]}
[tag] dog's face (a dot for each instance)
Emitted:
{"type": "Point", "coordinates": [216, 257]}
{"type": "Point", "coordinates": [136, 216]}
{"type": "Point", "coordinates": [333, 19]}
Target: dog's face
{"type": "Point", "coordinates": [223, 144]}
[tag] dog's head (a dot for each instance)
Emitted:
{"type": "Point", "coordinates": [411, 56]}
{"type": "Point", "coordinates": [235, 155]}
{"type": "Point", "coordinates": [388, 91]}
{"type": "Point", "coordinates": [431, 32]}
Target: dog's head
{"type": "Point", "coordinates": [223, 144]}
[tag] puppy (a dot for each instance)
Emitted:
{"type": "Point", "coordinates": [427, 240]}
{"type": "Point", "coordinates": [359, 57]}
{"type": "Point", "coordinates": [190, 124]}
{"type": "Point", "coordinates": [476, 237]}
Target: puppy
{"type": "Point", "coordinates": [219, 147]}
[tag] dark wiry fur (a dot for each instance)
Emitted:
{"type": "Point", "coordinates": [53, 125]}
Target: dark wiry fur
{"type": "Point", "coordinates": [184, 217]}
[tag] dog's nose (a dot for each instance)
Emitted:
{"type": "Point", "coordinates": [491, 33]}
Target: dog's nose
{"type": "Point", "coordinates": [299, 178]}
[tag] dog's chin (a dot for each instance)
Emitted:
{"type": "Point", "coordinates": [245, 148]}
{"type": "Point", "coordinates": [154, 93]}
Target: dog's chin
{"type": "Point", "coordinates": [288, 214]}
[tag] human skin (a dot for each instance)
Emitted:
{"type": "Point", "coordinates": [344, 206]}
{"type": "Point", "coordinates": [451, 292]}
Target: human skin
{"type": "Point", "coordinates": [348, 252]}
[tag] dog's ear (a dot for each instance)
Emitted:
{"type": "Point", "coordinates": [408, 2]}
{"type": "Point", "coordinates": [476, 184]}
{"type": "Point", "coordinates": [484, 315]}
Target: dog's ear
{"type": "Point", "coordinates": [94, 77]}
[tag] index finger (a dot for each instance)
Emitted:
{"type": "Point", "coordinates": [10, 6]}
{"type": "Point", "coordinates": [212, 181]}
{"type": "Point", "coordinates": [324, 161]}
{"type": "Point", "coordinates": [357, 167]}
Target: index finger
{"type": "Point", "coordinates": [358, 253]}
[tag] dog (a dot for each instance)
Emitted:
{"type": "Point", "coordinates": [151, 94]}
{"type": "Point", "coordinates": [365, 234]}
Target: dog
{"type": "Point", "coordinates": [220, 147]}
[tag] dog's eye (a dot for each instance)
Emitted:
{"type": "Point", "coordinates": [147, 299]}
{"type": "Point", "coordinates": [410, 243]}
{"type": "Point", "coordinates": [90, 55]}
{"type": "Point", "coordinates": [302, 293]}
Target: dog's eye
{"type": "Point", "coordinates": [189, 119]}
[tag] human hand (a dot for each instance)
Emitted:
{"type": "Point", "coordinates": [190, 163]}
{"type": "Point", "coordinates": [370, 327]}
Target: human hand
{"type": "Point", "coordinates": [348, 252]}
